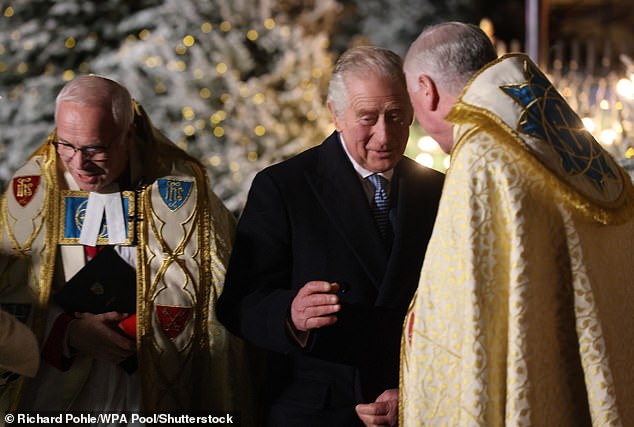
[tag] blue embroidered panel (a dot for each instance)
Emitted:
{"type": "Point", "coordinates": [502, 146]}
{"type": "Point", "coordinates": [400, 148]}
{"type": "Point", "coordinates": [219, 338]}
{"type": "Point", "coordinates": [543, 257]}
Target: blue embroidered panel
{"type": "Point", "coordinates": [174, 192]}
{"type": "Point", "coordinates": [548, 117]}
{"type": "Point", "coordinates": [75, 212]}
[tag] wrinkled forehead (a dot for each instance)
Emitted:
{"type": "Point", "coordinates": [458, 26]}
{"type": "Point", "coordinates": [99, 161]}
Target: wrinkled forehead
{"type": "Point", "coordinates": [77, 120]}
{"type": "Point", "coordinates": [377, 92]}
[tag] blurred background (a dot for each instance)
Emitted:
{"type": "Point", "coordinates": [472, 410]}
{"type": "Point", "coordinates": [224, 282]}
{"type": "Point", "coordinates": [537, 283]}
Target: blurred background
{"type": "Point", "coordinates": [241, 84]}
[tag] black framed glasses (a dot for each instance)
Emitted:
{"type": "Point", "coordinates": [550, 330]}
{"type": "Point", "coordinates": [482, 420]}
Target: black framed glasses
{"type": "Point", "coordinates": [67, 151]}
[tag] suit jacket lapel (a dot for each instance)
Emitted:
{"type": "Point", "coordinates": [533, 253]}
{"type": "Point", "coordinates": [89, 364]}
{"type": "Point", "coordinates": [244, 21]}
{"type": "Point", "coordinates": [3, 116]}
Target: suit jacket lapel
{"type": "Point", "coordinates": [336, 185]}
{"type": "Point", "coordinates": [413, 221]}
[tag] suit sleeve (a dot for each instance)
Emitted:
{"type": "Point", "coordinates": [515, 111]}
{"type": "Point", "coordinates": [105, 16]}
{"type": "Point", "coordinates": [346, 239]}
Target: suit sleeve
{"type": "Point", "coordinates": [261, 285]}
{"type": "Point", "coordinates": [255, 303]}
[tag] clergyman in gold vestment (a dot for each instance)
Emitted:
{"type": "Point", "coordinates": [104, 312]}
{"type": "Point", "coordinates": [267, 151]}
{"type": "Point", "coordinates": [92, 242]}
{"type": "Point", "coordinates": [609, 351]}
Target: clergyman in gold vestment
{"type": "Point", "coordinates": [106, 176]}
{"type": "Point", "coordinates": [524, 314]}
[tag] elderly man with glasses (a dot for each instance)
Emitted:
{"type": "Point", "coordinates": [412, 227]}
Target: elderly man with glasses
{"type": "Point", "coordinates": [106, 178]}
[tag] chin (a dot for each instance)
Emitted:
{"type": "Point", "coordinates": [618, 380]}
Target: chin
{"type": "Point", "coordinates": [92, 188]}
{"type": "Point", "coordinates": [381, 165]}
{"type": "Point", "coordinates": [446, 146]}
{"type": "Point", "coordinates": [90, 184]}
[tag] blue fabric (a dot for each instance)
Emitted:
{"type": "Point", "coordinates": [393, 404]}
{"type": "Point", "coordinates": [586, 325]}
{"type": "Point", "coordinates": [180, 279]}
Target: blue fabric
{"type": "Point", "coordinates": [381, 203]}
{"type": "Point", "coordinates": [75, 210]}
{"type": "Point", "coordinates": [174, 192]}
{"type": "Point", "coordinates": [548, 117]}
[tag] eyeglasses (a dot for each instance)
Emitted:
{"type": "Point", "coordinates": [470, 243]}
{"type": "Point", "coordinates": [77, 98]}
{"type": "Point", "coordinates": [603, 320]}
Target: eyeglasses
{"type": "Point", "coordinates": [95, 153]}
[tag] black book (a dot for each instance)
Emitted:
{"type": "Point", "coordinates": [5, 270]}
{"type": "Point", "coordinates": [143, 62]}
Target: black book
{"type": "Point", "coordinates": [106, 283]}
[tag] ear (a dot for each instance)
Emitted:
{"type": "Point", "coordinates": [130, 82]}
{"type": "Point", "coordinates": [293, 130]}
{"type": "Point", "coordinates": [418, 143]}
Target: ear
{"type": "Point", "coordinates": [333, 113]}
{"type": "Point", "coordinates": [429, 91]}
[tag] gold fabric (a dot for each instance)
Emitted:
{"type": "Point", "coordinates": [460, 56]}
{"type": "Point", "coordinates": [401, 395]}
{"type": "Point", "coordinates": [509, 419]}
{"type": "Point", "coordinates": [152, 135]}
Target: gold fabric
{"type": "Point", "coordinates": [523, 315]}
{"type": "Point", "coordinates": [182, 252]}
{"type": "Point", "coordinates": [27, 267]}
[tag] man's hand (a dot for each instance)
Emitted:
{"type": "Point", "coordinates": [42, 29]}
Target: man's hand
{"type": "Point", "coordinates": [383, 412]}
{"type": "Point", "coordinates": [96, 336]}
{"type": "Point", "coordinates": [314, 305]}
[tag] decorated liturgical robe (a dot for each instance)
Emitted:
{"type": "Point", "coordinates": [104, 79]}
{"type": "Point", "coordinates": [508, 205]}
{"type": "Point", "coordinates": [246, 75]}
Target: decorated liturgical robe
{"type": "Point", "coordinates": [524, 314]}
{"type": "Point", "coordinates": [180, 235]}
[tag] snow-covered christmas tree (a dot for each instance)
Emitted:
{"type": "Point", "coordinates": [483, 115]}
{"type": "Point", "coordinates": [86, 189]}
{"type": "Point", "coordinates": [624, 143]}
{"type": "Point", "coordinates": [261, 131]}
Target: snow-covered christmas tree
{"type": "Point", "coordinates": [240, 84]}
{"type": "Point", "coordinates": [397, 24]}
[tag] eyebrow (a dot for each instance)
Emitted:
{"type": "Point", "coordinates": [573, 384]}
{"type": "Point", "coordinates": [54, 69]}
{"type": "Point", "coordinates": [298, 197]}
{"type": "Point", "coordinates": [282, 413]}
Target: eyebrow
{"type": "Point", "coordinates": [99, 144]}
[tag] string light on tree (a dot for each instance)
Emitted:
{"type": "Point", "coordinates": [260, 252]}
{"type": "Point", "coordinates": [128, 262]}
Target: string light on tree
{"type": "Point", "coordinates": [235, 82]}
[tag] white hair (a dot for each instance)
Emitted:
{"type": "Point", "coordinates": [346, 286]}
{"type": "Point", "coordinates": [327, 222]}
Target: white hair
{"type": "Point", "coordinates": [450, 54]}
{"type": "Point", "coordinates": [99, 91]}
{"type": "Point", "coordinates": [361, 62]}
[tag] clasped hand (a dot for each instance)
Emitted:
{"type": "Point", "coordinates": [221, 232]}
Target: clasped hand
{"type": "Point", "coordinates": [97, 336]}
{"type": "Point", "coordinates": [314, 306]}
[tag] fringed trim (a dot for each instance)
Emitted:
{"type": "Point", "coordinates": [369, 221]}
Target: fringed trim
{"type": "Point", "coordinates": [617, 212]}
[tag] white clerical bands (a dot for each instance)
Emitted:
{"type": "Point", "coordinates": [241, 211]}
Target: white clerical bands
{"type": "Point", "coordinates": [111, 205]}
{"type": "Point", "coordinates": [97, 219]}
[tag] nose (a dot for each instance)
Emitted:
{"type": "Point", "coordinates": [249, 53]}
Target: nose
{"type": "Point", "coordinates": [79, 159]}
{"type": "Point", "coordinates": [381, 131]}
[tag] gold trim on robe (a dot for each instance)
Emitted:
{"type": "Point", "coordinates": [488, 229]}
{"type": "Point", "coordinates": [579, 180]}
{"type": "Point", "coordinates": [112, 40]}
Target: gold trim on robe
{"type": "Point", "coordinates": [523, 314]}
{"type": "Point", "coordinates": [188, 362]}
{"type": "Point", "coordinates": [73, 210]}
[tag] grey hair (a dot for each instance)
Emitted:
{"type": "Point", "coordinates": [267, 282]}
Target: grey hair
{"type": "Point", "coordinates": [362, 61]}
{"type": "Point", "coordinates": [99, 91]}
{"type": "Point", "coordinates": [450, 54]}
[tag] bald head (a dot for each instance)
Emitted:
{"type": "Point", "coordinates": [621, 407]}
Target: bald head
{"type": "Point", "coordinates": [96, 91]}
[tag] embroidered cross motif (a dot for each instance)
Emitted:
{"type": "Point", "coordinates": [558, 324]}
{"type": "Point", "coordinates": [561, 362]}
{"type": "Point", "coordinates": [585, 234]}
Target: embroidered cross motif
{"type": "Point", "coordinates": [173, 319]}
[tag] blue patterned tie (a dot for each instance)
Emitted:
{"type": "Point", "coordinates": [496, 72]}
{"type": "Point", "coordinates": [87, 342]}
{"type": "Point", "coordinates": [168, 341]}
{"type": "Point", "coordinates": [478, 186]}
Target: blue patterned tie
{"type": "Point", "coordinates": [381, 205]}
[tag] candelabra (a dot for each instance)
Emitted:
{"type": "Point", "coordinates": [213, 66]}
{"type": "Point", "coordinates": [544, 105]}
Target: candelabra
{"type": "Point", "coordinates": [604, 101]}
